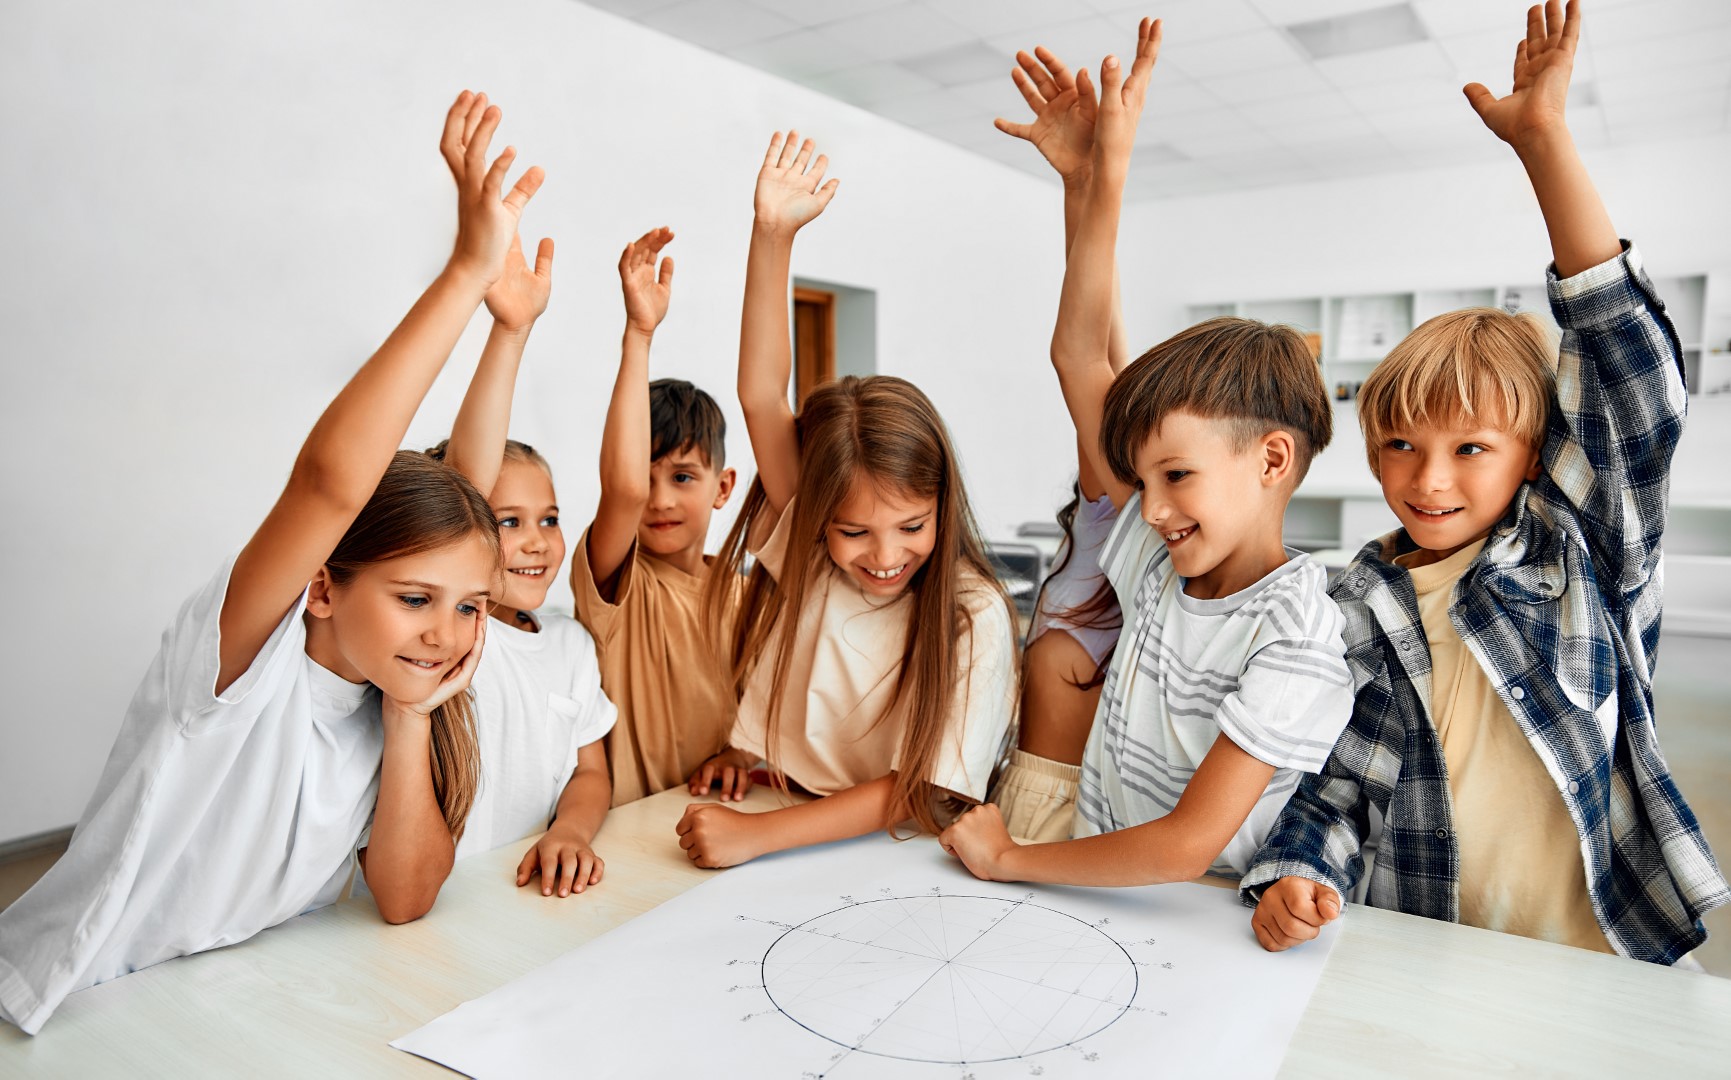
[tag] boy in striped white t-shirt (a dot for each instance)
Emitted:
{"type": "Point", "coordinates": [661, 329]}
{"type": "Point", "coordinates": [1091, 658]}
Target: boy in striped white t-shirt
{"type": "Point", "coordinates": [1230, 676]}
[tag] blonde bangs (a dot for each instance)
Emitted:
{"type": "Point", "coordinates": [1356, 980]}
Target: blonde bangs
{"type": "Point", "coordinates": [1471, 369]}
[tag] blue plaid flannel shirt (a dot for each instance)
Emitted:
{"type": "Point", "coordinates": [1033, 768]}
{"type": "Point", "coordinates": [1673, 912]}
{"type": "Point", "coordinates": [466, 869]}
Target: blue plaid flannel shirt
{"type": "Point", "coordinates": [1562, 606]}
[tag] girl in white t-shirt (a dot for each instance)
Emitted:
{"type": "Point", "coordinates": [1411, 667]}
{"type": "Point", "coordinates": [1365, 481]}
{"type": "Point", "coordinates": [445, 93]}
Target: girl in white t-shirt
{"type": "Point", "coordinates": [874, 650]}
{"type": "Point", "coordinates": [256, 750]}
{"type": "Point", "coordinates": [540, 710]}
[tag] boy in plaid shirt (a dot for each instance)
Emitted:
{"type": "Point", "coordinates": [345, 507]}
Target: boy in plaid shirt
{"type": "Point", "coordinates": [1502, 642]}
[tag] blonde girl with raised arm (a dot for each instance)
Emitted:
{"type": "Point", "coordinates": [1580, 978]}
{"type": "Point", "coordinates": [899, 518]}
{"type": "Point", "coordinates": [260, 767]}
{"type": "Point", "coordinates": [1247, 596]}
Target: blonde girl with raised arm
{"type": "Point", "coordinates": [315, 684]}
{"type": "Point", "coordinates": [873, 650]}
{"type": "Point", "coordinates": [539, 709]}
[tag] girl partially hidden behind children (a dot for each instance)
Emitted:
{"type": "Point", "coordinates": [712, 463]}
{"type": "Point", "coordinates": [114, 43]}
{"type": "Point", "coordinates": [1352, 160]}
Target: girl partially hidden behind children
{"type": "Point", "coordinates": [873, 649]}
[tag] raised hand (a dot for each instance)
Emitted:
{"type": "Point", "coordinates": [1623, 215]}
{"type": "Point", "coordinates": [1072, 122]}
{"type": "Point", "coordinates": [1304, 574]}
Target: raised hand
{"type": "Point", "coordinates": [1544, 60]}
{"type": "Point", "coordinates": [1063, 126]}
{"type": "Point", "coordinates": [486, 223]}
{"type": "Point", "coordinates": [1121, 97]}
{"type": "Point", "coordinates": [646, 292]}
{"type": "Point", "coordinates": [788, 195]}
{"type": "Point", "coordinates": [520, 295]}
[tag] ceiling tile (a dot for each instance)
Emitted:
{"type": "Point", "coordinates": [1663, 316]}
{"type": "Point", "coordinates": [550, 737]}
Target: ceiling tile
{"type": "Point", "coordinates": [926, 107]}
{"type": "Point", "coordinates": [1171, 94]}
{"type": "Point", "coordinates": [1341, 131]}
{"type": "Point", "coordinates": [897, 32]}
{"type": "Point", "coordinates": [1442, 121]}
{"type": "Point", "coordinates": [1154, 154]}
{"type": "Point", "coordinates": [1197, 125]}
{"type": "Point", "coordinates": [1202, 60]}
{"type": "Point", "coordinates": [631, 9]}
{"type": "Point", "coordinates": [1077, 42]}
{"type": "Point", "coordinates": [988, 18]}
{"type": "Point", "coordinates": [1401, 62]}
{"type": "Point", "coordinates": [798, 56]}
{"type": "Point", "coordinates": [1299, 111]}
{"type": "Point", "coordinates": [1658, 55]}
{"type": "Point", "coordinates": [1699, 114]}
{"type": "Point", "coordinates": [966, 63]}
{"type": "Point", "coordinates": [1270, 162]}
{"type": "Point", "coordinates": [997, 95]}
{"type": "Point", "coordinates": [1655, 19]}
{"type": "Point", "coordinates": [1447, 18]}
{"type": "Point", "coordinates": [1700, 81]}
{"type": "Point", "coordinates": [1201, 146]}
{"type": "Point", "coordinates": [821, 12]}
{"type": "Point", "coordinates": [968, 132]}
{"type": "Point", "coordinates": [1185, 176]}
{"type": "Point", "coordinates": [718, 25]}
{"type": "Point", "coordinates": [1351, 154]}
{"type": "Point", "coordinates": [869, 84]}
{"type": "Point", "coordinates": [1295, 80]}
{"type": "Point", "coordinates": [1405, 95]}
{"type": "Point", "coordinates": [1186, 20]}
{"type": "Point", "coordinates": [1287, 12]}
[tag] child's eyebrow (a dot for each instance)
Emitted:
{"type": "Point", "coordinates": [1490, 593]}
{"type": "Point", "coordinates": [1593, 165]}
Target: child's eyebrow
{"type": "Point", "coordinates": [688, 464]}
{"type": "Point", "coordinates": [427, 586]}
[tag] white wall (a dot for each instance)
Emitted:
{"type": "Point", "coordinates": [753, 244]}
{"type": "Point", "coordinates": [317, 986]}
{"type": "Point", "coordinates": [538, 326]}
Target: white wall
{"type": "Point", "coordinates": [215, 212]}
{"type": "Point", "coordinates": [1460, 227]}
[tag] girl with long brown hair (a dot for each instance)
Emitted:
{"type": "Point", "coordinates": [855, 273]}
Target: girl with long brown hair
{"type": "Point", "coordinates": [873, 650]}
{"type": "Point", "coordinates": [256, 751]}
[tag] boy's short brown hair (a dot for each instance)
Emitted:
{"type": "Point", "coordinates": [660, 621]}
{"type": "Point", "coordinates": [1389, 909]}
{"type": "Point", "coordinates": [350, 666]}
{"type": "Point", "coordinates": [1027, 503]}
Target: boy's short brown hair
{"type": "Point", "coordinates": [1478, 367]}
{"type": "Point", "coordinates": [683, 417]}
{"type": "Point", "coordinates": [1260, 377]}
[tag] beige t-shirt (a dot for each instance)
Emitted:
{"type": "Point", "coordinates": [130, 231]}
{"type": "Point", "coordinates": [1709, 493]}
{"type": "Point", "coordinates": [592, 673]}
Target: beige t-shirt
{"type": "Point", "coordinates": [1521, 870]}
{"type": "Point", "coordinates": [847, 655]}
{"type": "Point", "coordinates": [659, 667]}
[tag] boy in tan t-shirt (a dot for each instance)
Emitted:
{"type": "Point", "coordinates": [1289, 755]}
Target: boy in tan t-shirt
{"type": "Point", "coordinates": [639, 573]}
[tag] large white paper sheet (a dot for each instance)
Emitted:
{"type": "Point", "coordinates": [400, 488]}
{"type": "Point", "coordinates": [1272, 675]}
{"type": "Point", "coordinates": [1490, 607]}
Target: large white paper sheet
{"type": "Point", "coordinates": [877, 958]}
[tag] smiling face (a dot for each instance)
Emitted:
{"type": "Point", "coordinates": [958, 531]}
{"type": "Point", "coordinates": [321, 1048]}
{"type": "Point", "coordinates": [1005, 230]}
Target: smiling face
{"type": "Point", "coordinates": [881, 538]}
{"type": "Point", "coordinates": [1218, 508]}
{"type": "Point", "coordinates": [530, 538]}
{"type": "Point", "coordinates": [1449, 485]}
{"type": "Point", "coordinates": [684, 490]}
{"type": "Point", "coordinates": [404, 624]}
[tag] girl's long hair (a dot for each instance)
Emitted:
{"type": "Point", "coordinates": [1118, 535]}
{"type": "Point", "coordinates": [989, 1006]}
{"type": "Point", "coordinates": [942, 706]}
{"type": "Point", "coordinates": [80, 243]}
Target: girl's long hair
{"type": "Point", "coordinates": [1100, 611]}
{"type": "Point", "coordinates": [882, 430]}
{"type": "Point", "coordinates": [420, 505]}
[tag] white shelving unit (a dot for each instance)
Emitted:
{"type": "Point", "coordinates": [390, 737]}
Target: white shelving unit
{"type": "Point", "coordinates": [1334, 515]}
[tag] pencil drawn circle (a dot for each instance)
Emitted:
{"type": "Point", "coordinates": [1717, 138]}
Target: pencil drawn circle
{"type": "Point", "coordinates": [949, 979]}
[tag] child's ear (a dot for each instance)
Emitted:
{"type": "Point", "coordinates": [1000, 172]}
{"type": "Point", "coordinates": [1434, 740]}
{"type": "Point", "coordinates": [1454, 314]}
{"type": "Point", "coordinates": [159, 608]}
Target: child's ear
{"type": "Point", "coordinates": [1278, 457]}
{"type": "Point", "coordinates": [319, 594]}
{"type": "Point", "coordinates": [724, 487]}
{"type": "Point", "coordinates": [1534, 466]}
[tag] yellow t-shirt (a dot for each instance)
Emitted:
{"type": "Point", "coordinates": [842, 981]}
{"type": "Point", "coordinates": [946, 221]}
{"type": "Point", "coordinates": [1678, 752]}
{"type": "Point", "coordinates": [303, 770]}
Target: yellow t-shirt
{"type": "Point", "coordinates": [661, 670]}
{"type": "Point", "coordinates": [1521, 869]}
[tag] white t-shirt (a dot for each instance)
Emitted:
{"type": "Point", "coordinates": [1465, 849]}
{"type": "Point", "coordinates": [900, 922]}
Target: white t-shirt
{"type": "Point", "coordinates": [538, 700]}
{"type": "Point", "coordinates": [847, 656]}
{"type": "Point", "coordinates": [215, 817]}
{"type": "Point", "coordinates": [1265, 666]}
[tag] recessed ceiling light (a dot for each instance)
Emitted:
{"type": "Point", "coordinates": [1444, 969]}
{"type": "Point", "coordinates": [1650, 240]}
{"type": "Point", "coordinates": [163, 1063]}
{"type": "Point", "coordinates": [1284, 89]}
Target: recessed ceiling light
{"type": "Point", "coordinates": [1364, 31]}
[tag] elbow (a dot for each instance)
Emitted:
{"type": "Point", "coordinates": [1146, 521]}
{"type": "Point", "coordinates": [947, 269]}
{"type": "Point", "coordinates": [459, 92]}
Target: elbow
{"type": "Point", "coordinates": [400, 910]}
{"type": "Point", "coordinates": [336, 483]}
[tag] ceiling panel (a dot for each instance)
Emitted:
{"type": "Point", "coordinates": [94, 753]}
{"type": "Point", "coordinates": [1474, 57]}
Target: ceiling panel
{"type": "Point", "coordinates": [1234, 98]}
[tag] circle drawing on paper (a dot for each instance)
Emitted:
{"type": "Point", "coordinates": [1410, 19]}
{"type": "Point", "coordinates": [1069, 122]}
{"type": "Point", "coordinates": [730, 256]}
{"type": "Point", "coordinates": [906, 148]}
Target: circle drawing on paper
{"type": "Point", "coordinates": [949, 979]}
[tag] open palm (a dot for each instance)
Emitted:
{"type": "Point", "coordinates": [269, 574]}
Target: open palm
{"type": "Point", "coordinates": [520, 295]}
{"type": "Point", "coordinates": [790, 187]}
{"type": "Point", "coordinates": [1063, 126]}
{"type": "Point", "coordinates": [1544, 61]}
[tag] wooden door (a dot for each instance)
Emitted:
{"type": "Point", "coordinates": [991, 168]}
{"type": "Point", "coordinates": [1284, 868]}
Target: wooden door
{"type": "Point", "coordinates": [813, 341]}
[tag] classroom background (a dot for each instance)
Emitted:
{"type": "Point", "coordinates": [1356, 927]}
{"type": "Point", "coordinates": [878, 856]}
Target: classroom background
{"type": "Point", "coordinates": [215, 212]}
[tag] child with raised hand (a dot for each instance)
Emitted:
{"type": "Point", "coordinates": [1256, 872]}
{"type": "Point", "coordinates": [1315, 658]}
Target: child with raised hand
{"type": "Point", "coordinates": [1228, 679]}
{"type": "Point", "coordinates": [1502, 640]}
{"type": "Point", "coordinates": [1076, 616]}
{"type": "Point", "coordinates": [874, 650]}
{"type": "Point", "coordinates": [639, 571]}
{"type": "Point", "coordinates": [255, 751]}
{"type": "Point", "coordinates": [540, 713]}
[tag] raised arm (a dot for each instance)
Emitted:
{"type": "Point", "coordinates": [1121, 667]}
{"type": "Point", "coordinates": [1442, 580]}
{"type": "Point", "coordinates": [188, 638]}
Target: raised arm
{"type": "Point", "coordinates": [1530, 119]}
{"type": "Point", "coordinates": [1081, 340]}
{"type": "Point", "coordinates": [625, 441]}
{"type": "Point", "coordinates": [516, 300]}
{"type": "Point", "coordinates": [790, 192]}
{"type": "Point", "coordinates": [351, 445]}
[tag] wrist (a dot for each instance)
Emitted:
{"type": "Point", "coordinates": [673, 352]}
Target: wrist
{"type": "Point", "coordinates": [468, 275]}
{"type": "Point", "coordinates": [635, 333]}
{"type": "Point", "coordinates": [772, 232]}
{"type": "Point", "coordinates": [1076, 181]}
{"type": "Point", "coordinates": [516, 335]}
{"type": "Point", "coordinates": [1544, 147]}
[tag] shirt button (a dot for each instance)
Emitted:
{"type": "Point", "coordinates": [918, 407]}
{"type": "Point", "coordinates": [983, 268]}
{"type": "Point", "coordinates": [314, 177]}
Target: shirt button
{"type": "Point", "coordinates": [1518, 694]}
{"type": "Point", "coordinates": [1442, 834]}
{"type": "Point", "coordinates": [1574, 788]}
